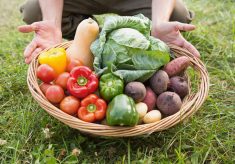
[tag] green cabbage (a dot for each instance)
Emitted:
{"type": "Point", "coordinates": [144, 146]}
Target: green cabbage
{"type": "Point", "coordinates": [126, 49]}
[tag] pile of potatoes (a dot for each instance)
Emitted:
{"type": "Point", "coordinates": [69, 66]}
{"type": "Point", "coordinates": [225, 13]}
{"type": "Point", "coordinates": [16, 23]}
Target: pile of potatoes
{"type": "Point", "coordinates": [162, 94]}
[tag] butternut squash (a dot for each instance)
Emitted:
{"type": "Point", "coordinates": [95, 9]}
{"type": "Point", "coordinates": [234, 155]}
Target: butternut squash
{"type": "Point", "coordinates": [87, 31]}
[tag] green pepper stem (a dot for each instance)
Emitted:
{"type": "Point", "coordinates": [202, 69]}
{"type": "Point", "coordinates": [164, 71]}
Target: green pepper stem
{"type": "Point", "coordinates": [91, 108]}
{"type": "Point", "coordinates": [82, 81]}
{"type": "Point", "coordinates": [110, 83]}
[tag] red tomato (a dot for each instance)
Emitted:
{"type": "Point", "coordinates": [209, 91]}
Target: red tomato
{"type": "Point", "coordinates": [73, 63]}
{"type": "Point", "coordinates": [44, 87]}
{"type": "Point", "coordinates": [46, 73]}
{"type": "Point", "coordinates": [62, 79]}
{"type": "Point", "coordinates": [55, 94]}
{"type": "Point", "coordinates": [70, 105]}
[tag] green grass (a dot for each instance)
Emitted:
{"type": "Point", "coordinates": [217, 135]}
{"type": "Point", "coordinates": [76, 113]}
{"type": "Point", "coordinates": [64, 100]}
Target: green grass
{"type": "Point", "coordinates": [207, 137]}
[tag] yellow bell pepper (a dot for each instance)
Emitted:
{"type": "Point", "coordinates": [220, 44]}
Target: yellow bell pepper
{"type": "Point", "coordinates": [56, 58]}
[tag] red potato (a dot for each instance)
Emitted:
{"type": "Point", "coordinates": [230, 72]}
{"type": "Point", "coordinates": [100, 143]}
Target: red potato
{"type": "Point", "coordinates": [159, 82]}
{"type": "Point", "coordinates": [169, 103]}
{"type": "Point", "coordinates": [150, 99]}
{"type": "Point", "coordinates": [136, 90]}
{"type": "Point", "coordinates": [179, 85]}
{"type": "Point", "coordinates": [55, 94]}
{"type": "Point", "coordinates": [177, 66]}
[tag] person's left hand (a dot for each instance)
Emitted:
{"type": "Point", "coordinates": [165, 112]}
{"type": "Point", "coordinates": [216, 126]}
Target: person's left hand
{"type": "Point", "coordinates": [169, 32]}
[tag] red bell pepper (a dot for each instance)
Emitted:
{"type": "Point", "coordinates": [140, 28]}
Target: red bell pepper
{"type": "Point", "coordinates": [92, 109]}
{"type": "Point", "coordinates": [82, 82]}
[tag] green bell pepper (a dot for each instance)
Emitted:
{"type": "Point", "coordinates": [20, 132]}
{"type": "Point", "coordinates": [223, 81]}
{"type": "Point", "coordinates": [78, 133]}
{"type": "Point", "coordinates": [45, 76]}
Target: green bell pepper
{"type": "Point", "coordinates": [122, 111]}
{"type": "Point", "coordinates": [110, 86]}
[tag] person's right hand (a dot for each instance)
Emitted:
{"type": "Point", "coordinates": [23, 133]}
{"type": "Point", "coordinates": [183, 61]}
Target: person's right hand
{"type": "Point", "coordinates": [46, 34]}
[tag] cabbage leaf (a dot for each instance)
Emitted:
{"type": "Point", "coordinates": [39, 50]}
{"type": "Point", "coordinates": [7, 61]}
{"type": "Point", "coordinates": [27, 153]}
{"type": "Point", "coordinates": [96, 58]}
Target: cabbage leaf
{"type": "Point", "coordinates": [125, 48]}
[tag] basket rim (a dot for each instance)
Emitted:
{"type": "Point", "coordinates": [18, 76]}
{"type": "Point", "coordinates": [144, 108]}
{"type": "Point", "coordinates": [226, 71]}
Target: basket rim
{"type": "Point", "coordinates": [190, 105]}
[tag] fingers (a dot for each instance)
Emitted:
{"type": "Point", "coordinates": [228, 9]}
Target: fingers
{"type": "Point", "coordinates": [184, 27]}
{"type": "Point", "coordinates": [26, 28]}
{"type": "Point", "coordinates": [29, 59]}
{"type": "Point", "coordinates": [30, 48]}
{"type": "Point", "coordinates": [29, 28]}
{"type": "Point", "coordinates": [191, 48]}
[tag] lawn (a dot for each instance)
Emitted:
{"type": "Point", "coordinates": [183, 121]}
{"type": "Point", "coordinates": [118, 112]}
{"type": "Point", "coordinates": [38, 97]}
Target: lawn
{"type": "Point", "coordinates": [29, 135]}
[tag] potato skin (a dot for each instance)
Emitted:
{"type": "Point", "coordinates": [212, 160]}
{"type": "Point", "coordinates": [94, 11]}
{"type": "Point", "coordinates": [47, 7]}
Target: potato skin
{"type": "Point", "coordinates": [159, 82]}
{"type": "Point", "coordinates": [179, 85]}
{"type": "Point", "coordinates": [169, 103]}
{"type": "Point", "coordinates": [136, 90]}
{"type": "Point", "coordinates": [150, 99]}
{"type": "Point", "coordinates": [177, 66]}
{"type": "Point", "coordinates": [152, 116]}
{"type": "Point", "coordinates": [142, 109]}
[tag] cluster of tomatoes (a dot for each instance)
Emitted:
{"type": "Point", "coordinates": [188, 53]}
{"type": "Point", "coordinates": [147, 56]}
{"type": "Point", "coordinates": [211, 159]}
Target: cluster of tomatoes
{"type": "Point", "coordinates": [54, 88]}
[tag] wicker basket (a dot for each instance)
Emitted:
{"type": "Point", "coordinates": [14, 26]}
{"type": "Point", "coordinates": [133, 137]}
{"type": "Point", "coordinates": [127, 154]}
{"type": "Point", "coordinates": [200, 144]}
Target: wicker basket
{"type": "Point", "coordinates": [191, 103]}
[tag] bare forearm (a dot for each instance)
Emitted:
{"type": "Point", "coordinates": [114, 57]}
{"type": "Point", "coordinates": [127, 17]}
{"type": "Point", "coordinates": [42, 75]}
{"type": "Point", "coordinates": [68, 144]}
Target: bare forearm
{"type": "Point", "coordinates": [161, 10]}
{"type": "Point", "coordinates": [52, 10]}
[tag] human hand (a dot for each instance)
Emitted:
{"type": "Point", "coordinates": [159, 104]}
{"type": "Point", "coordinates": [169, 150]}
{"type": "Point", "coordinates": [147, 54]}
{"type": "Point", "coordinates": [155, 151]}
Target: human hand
{"type": "Point", "coordinates": [46, 34]}
{"type": "Point", "coordinates": [169, 32]}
